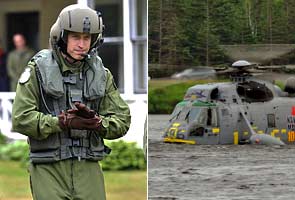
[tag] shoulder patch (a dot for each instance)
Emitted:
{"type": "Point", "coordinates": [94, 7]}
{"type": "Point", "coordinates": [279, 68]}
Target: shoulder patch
{"type": "Point", "coordinates": [25, 76]}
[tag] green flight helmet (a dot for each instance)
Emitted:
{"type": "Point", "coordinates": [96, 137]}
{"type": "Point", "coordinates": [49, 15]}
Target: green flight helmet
{"type": "Point", "coordinates": [76, 18]}
{"type": "Point", "coordinates": [54, 34]}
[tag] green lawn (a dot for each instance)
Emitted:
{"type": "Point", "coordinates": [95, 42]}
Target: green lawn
{"type": "Point", "coordinates": [14, 183]}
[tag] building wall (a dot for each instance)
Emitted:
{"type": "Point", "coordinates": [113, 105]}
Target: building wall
{"type": "Point", "coordinates": [48, 12]}
{"type": "Point", "coordinates": [9, 6]}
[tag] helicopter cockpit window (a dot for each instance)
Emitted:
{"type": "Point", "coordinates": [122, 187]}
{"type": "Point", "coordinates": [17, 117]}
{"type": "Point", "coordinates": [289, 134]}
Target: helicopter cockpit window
{"type": "Point", "coordinates": [194, 114]}
{"type": "Point", "coordinates": [214, 94]}
{"type": "Point", "coordinates": [212, 117]}
{"type": "Point", "coordinates": [203, 116]}
{"type": "Point", "coordinates": [176, 112]}
{"type": "Point", "coordinates": [254, 92]}
{"type": "Point", "coordinates": [181, 114]}
{"type": "Point", "coordinates": [200, 118]}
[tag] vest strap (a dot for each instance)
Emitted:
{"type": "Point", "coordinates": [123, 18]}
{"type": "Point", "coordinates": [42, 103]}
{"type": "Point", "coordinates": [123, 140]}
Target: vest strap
{"type": "Point", "coordinates": [56, 107]}
{"type": "Point", "coordinates": [71, 79]}
{"type": "Point", "coordinates": [79, 142]}
{"type": "Point", "coordinates": [76, 95]}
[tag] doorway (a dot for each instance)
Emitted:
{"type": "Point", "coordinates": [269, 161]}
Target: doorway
{"type": "Point", "coordinates": [26, 23]}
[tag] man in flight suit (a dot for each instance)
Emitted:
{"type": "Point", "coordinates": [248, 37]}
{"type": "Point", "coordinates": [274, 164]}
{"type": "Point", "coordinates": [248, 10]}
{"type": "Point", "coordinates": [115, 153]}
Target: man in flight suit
{"type": "Point", "coordinates": [17, 59]}
{"type": "Point", "coordinates": [67, 103]}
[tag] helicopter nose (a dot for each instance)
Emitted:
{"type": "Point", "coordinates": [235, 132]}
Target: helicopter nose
{"type": "Point", "coordinates": [176, 133]}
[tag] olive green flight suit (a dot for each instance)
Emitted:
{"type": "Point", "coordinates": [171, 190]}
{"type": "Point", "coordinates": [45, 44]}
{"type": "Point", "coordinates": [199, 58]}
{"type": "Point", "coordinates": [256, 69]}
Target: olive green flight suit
{"type": "Point", "coordinates": [68, 179]}
{"type": "Point", "coordinates": [16, 62]}
{"type": "Point", "coordinates": [71, 178]}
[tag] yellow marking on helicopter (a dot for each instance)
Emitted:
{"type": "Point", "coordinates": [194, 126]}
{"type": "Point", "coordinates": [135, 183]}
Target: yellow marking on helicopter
{"type": "Point", "coordinates": [254, 127]}
{"type": "Point", "coordinates": [246, 133]}
{"type": "Point", "coordinates": [173, 132]}
{"type": "Point", "coordinates": [176, 124]}
{"type": "Point", "coordinates": [167, 139]}
{"type": "Point", "coordinates": [260, 132]}
{"type": "Point", "coordinates": [274, 132]}
{"type": "Point", "coordinates": [193, 97]}
{"type": "Point", "coordinates": [215, 130]}
{"type": "Point", "coordinates": [236, 137]}
{"type": "Point", "coordinates": [283, 131]}
{"type": "Point", "coordinates": [291, 136]}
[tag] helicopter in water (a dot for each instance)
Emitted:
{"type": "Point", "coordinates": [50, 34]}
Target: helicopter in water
{"type": "Point", "coordinates": [244, 111]}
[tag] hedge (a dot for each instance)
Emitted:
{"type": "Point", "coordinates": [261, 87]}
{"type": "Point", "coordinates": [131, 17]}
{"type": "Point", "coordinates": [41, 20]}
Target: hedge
{"type": "Point", "coordinates": [124, 155]}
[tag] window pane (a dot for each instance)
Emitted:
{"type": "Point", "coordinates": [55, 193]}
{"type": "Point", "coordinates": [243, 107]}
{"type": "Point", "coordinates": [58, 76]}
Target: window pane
{"type": "Point", "coordinates": [112, 17]}
{"type": "Point", "coordinates": [141, 18]}
{"type": "Point", "coordinates": [140, 68]}
{"type": "Point", "coordinates": [139, 38]}
{"type": "Point", "coordinates": [112, 58]}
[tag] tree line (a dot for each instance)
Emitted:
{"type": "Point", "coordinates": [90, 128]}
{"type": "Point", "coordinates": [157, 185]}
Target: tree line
{"type": "Point", "coordinates": [189, 32]}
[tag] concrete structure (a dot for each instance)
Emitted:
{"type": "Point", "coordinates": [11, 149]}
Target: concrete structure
{"type": "Point", "coordinates": [257, 53]}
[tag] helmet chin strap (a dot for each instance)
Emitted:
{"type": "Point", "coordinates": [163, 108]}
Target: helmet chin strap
{"type": "Point", "coordinates": [70, 59]}
{"type": "Point", "coordinates": [63, 58]}
{"type": "Point", "coordinates": [67, 56]}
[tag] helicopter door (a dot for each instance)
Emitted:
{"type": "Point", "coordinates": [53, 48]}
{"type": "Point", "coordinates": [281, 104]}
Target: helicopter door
{"type": "Point", "coordinates": [228, 120]}
{"type": "Point", "coordinates": [212, 129]}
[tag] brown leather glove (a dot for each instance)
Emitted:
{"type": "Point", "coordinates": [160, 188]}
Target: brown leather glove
{"type": "Point", "coordinates": [76, 122]}
{"type": "Point", "coordinates": [72, 121]}
{"type": "Point", "coordinates": [82, 110]}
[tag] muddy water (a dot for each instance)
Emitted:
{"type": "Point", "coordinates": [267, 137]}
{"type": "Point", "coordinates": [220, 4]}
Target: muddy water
{"type": "Point", "coordinates": [189, 172]}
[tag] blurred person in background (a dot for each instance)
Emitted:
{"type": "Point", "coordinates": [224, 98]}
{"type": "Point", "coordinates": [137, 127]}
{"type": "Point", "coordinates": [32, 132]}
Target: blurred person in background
{"type": "Point", "coordinates": [67, 103]}
{"type": "Point", "coordinates": [18, 59]}
{"type": "Point", "coordinates": [4, 83]}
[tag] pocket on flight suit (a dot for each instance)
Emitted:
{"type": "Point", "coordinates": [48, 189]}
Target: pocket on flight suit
{"type": "Point", "coordinates": [52, 142]}
{"type": "Point", "coordinates": [96, 147]}
{"type": "Point", "coordinates": [44, 151]}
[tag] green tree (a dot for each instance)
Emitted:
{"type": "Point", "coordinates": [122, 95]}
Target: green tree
{"type": "Point", "coordinates": [154, 31]}
{"type": "Point", "coordinates": [289, 6]}
{"type": "Point", "coordinates": [189, 32]}
{"type": "Point", "coordinates": [279, 23]}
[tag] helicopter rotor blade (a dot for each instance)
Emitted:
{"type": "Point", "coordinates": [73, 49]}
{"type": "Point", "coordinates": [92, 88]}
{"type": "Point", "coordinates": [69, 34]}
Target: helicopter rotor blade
{"type": "Point", "coordinates": [244, 67]}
